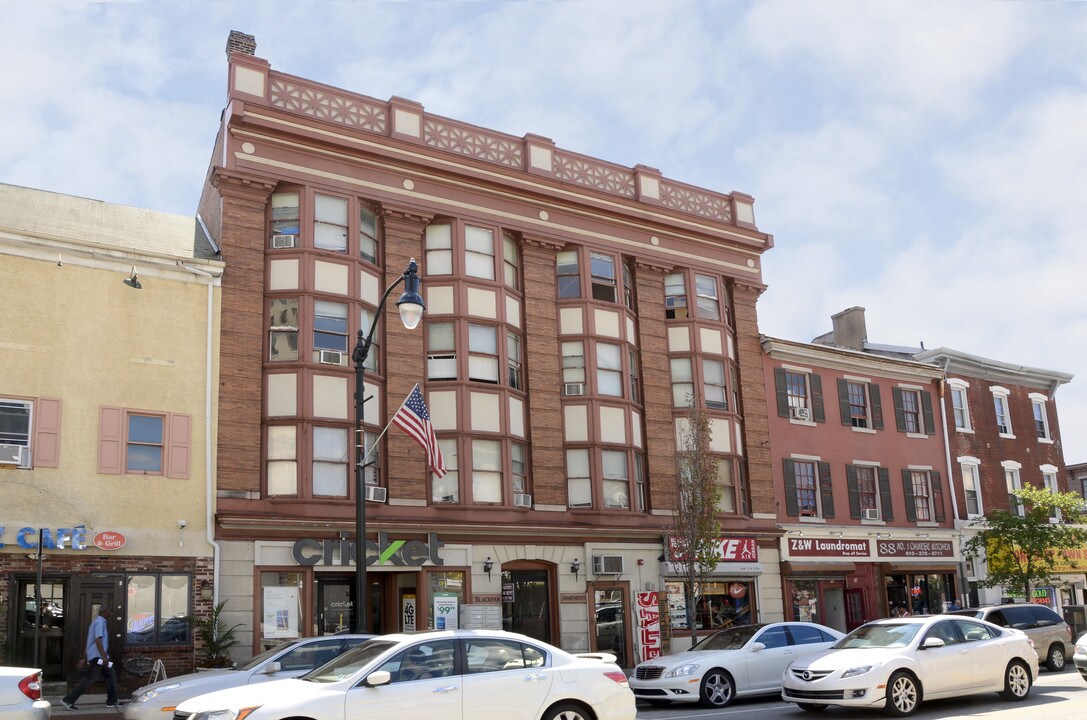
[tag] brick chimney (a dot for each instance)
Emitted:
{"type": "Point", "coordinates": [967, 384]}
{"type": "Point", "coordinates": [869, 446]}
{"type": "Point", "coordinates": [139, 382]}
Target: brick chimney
{"type": "Point", "coordinates": [850, 330]}
{"type": "Point", "coordinates": [242, 43]}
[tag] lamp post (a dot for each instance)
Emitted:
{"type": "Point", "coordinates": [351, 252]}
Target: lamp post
{"type": "Point", "coordinates": [411, 309]}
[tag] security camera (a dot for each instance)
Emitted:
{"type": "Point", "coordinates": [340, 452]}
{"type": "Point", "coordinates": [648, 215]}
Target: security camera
{"type": "Point", "coordinates": [182, 523]}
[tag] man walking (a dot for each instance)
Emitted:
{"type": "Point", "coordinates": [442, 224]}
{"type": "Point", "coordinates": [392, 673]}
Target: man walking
{"type": "Point", "coordinates": [98, 662]}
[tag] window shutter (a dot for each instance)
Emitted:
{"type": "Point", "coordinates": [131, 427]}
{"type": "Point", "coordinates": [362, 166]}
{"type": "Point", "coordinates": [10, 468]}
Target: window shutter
{"type": "Point", "coordinates": [843, 402]}
{"type": "Point", "coordinates": [45, 446]}
{"type": "Point", "coordinates": [110, 440]}
{"type": "Point", "coordinates": [826, 491]}
{"type": "Point", "coordinates": [900, 413]}
{"type": "Point", "coordinates": [907, 489]}
{"type": "Point", "coordinates": [926, 408]}
{"type": "Point", "coordinates": [877, 406]}
{"type": "Point", "coordinates": [792, 507]}
{"type": "Point", "coordinates": [854, 491]}
{"type": "Point", "coordinates": [817, 412]}
{"type": "Point", "coordinates": [885, 494]}
{"type": "Point", "coordinates": [179, 446]}
{"type": "Point", "coordinates": [937, 496]}
{"type": "Point", "coordinates": [782, 392]}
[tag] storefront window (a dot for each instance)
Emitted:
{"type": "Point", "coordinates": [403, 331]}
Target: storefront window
{"type": "Point", "coordinates": [722, 604]}
{"type": "Point", "coordinates": [920, 594]}
{"type": "Point", "coordinates": [281, 606]}
{"type": "Point", "coordinates": [446, 597]}
{"type": "Point", "coordinates": [805, 599]}
{"type": "Point", "coordinates": [156, 610]}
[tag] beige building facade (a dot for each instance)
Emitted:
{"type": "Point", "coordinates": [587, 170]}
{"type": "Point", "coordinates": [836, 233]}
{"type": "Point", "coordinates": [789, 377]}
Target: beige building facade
{"type": "Point", "coordinates": [107, 400]}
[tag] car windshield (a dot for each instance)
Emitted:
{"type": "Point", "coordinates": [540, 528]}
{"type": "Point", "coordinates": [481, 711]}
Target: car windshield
{"type": "Point", "coordinates": [890, 635]}
{"type": "Point", "coordinates": [349, 663]}
{"type": "Point", "coordinates": [730, 639]}
{"type": "Point", "coordinates": [258, 659]}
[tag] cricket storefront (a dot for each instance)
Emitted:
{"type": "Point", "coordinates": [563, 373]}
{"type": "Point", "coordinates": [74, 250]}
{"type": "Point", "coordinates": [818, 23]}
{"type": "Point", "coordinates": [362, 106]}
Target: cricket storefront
{"type": "Point", "coordinates": [844, 582]}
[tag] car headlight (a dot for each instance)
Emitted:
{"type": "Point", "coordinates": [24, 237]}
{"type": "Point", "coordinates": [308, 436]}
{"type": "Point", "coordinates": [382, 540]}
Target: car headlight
{"type": "Point", "coordinates": [682, 670]}
{"type": "Point", "coordinates": [154, 692]}
{"type": "Point", "coordinates": [1081, 649]}
{"type": "Point", "coordinates": [240, 714]}
{"type": "Point", "coordinates": [858, 670]}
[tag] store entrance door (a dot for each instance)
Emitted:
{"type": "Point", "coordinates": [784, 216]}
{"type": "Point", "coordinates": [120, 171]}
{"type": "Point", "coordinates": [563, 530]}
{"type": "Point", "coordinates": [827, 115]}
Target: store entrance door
{"type": "Point", "coordinates": [49, 636]}
{"type": "Point", "coordinates": [610, 613]}
{"type": "Point", "coordinates": [335, 605]}
{"type": "Point", "coordinates": [88, 595]}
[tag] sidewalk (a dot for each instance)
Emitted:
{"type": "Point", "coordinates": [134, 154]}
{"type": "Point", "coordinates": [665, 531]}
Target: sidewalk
{"type": "Point", "coordinates": [90, 707]}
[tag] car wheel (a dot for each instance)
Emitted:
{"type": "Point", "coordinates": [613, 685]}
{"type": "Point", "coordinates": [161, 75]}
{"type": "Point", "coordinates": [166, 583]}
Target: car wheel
{"type": "Point", "coordinates": [717, 689]}
{"type": "Point", "coordinates": [1016, 681]}
{"type": "Point", "coordinates": [903, 694]}
{"type": "Point", "coordinates": [811, 708]}
{"type": "Point", "coordinates": [1055, 660]}
{"type": "Point", "coordinates": [567, 711]}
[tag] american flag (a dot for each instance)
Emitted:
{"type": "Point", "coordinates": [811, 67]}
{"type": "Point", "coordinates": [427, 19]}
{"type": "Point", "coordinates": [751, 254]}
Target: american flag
{"type": "Point", "coordinates": [413, 418]}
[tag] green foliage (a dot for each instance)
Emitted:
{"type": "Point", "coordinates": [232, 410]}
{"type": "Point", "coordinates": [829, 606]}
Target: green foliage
{"type": "Point", "coordinates": [1022, 551]}
{"type": "Point", "coordinates": [217, 639]}
{"type": "Point", "coordinates": [695, 527]}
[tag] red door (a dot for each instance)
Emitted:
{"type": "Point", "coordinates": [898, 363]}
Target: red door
{"type": "Point", "coordinates": [854, 608]}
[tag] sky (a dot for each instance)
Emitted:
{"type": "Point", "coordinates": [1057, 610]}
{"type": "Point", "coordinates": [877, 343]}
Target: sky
{"type": "Point", "coordinates": [924, 160]}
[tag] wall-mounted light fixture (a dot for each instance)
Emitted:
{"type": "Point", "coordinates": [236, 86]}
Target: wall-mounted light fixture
{"type": "Point", "coordinates": [879, 535]}
{"type": "Point", "coordinates": [133, 280]}
{"type": "Point", "coordinates": [798, 533]}
{"type": "Point", "coordinates": [205, 589]}
{"type": "Point", "coordinates": [837, 533]}
{"type": "Point", "coordinates": [921, 535]}
{"type": "Point", "coordinates": [575, 567]}
{"type": "Point", "coordinates": [488, 565]}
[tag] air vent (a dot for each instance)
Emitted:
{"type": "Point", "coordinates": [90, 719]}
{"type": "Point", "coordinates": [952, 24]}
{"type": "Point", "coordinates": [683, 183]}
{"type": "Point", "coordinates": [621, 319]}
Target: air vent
{"type": "Point", "coordinates": [607, 564]}
{"type": "Point", "coordinates": [331, 357]}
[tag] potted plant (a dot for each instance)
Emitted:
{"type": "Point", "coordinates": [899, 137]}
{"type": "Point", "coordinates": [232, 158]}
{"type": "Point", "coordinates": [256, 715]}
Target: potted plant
{"type": "Point", "coordinates": [216, 638]}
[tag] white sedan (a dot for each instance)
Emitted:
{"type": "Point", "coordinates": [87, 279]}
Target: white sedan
{"type": "Point", "coordinates": [286, 660]}
{"type": "Point", "coordinates": [446, 674]}
{"type": "Point", "coordinates": [736, 661]}
{"type": "Point", "coordinates": [21, 694]}
{"type": "Point", "coordinates": [895, 663]}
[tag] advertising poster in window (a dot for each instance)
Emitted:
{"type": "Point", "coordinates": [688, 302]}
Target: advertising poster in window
{"type": "Point", "coordinates": [407, 613]}
{"type": "Point", "coordinates": [281, 611]}
{"type": "Point", "coordinates": [445, 612]}
{"type": "Point", "coordinates": [649, 625]}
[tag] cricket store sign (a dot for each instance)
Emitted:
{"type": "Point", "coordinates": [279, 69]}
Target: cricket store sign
{"type": "Point", "coordinates": [404, 553]}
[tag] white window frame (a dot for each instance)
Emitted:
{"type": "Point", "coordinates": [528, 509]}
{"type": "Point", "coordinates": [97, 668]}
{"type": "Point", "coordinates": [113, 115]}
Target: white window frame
{"type": "Point", "coordinates": [579, 471]}
{"type": "Point", "coordinates": [446, 490]}
{"type": "Point", "coordinates": [439, 249]}
{"type": "Point", "coordinates": [479, 252]}
{"type": "Point", "coordinates": [24, 439]}
{"type": "Point", "coordinates": [1039, 402]}
{"type": "Point", "coordinates": [328, 226]}
{"type": "Point", "coordinates": [1013, 481]}
{"type": "Point", "coordinates": [959, 387]}
{"type": "Point", "coordinates": [1002, 407]}
{"type": "Point", "coordinates": [1049, 482]}
{"type": "Point", "coordinates": [974, 466]}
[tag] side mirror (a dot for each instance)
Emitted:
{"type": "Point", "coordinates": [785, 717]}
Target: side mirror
{"type": "Point", "coordinates": [378, 677]}
{"type": "Point", "coordinates": [932, 642]}
{"type": "Point", "coordinates": [272, 667]}
{"type": "Point", "coordinates": [756, 647]}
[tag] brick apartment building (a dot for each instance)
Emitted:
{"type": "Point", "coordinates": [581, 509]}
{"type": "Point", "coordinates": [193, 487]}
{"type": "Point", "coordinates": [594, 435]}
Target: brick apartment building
{"type": "Point", "coordinates": [572, 306]}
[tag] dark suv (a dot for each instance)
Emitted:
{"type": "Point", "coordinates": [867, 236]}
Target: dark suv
{"type": "Point", "coordinates": [1051, 634]}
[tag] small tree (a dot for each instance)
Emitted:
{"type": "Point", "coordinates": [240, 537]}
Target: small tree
{"type": "Point", "coordinates": [695, 529]}
{"type": "Point", "coordinates": [1023, 550]}
{"type": "Point", "coordinates": [216, 638]}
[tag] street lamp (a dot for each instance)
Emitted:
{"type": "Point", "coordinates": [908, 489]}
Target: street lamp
{"type": "Point", "coordinates": [411, 309]}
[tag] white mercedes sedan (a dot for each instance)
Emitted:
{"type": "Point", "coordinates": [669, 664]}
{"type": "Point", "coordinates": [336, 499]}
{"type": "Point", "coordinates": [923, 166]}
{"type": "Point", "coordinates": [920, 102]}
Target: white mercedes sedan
{"type": "Point", "coordinates": [730, 663]}
{"type": "Point", "coordinates": [443, 674]}
{"type": "Point", "coordinates": [896, 663]}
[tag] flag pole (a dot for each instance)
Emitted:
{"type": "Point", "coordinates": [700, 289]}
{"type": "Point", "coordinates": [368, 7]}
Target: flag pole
{"type": "Point", "coordinates": [384, 430]}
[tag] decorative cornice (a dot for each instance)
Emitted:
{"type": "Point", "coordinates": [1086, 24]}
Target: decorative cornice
{"type": "Point", "coordinates": [854, 361]}
{"type": "Point", "coordinates": [651, 266]}
{"type": "Point", "coordinates": [242, 184]}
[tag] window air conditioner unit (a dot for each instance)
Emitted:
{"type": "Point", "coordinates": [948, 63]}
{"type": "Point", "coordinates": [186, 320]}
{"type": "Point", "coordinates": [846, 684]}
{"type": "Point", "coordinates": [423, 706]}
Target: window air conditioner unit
{"type": "Point", "coordinates": [11, 454]}
{"type": "Point", "coordinates": [522, 500]}
{"type": "Point", "coordinates": [284, 241]}
{"type": "Point", "coordinates": [376, 494]}
{"type": "Point", "coordinates": [870, 514]}
{"type": "Point", "coordinates": [573, 389]}
{"type": "Point", "coordinates": [331, 357]}
{"type": "Point", "coordinates": [607, 564]}
{"type": "Point", "coordinates": [800, 413]}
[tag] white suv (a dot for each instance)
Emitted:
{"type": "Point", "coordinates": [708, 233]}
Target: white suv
{"type": "Point", "coordinates": [1051, 635]}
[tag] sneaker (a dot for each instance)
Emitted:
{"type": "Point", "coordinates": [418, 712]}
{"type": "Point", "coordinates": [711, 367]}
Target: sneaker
{"type": "Point", "coordinates": [68, 704]}
{"type": "Point", "coordinates": [112, 705]}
